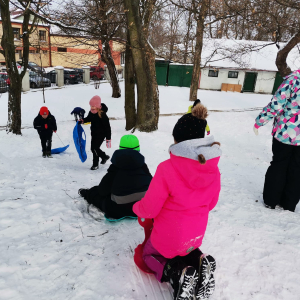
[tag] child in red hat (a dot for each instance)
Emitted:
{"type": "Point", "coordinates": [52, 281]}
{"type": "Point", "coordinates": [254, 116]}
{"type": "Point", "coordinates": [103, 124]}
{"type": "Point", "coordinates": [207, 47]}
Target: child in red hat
{"type": "Point", "coordinates": [100, 130]}
{"type": "Point", "coordinates": [45, 124]}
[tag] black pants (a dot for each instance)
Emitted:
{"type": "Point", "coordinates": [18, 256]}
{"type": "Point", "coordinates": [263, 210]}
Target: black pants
{"type": "Point", "coordinates": [282, 182]}
{"type": "Point", "coordinates": [46, 140]}
{"type": "Point", "coordinates": [107, 206]}
{"type": "Point", "coordinates": [95, 148]}
{"type": "Point", "coordinates": [79, 116]}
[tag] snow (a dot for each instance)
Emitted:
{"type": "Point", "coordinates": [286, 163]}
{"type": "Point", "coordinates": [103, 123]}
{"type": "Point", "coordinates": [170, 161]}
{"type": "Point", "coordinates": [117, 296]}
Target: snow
{"type": "Point", "coordinates": [52, 249]}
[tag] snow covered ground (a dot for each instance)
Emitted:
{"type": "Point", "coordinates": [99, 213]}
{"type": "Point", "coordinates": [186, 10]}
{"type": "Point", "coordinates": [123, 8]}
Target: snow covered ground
{"type": "Point", "coordinates": [52, 249]}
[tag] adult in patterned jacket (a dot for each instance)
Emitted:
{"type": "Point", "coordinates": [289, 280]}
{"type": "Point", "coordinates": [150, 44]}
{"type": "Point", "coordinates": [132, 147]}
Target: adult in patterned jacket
{"type": "Point", "coordinates": [126, 181]}
{"type": "Point", "coordinates": [45, 124]}
{"type": "Point", "coordinates": [282, 178]}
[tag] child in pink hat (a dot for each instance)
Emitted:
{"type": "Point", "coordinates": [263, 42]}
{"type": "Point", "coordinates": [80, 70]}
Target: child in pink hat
{"type": "Point", "coordinates": [100, 130]}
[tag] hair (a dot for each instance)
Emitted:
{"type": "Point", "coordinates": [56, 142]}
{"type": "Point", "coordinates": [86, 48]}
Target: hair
{"type": "Point", "coordinates": [100, 112]}
{"type": "Point", "coordinates": [201, 157]}
{"type": "Point", "coordinates": [200, 111]}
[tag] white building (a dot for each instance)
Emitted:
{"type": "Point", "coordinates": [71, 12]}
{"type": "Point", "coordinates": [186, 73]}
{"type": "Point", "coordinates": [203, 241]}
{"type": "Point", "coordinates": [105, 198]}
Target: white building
{"type": "Point", "coordinates": [239, 62]}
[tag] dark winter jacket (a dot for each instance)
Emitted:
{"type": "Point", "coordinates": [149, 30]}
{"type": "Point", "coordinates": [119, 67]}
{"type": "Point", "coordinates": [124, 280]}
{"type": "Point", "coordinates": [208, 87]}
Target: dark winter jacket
{"type": "Point", "coordinates": [39, 124]}
{"type": "Point", "coordinates": [125, 183]}
{"type": "Point", "coordinates": [99, 126]}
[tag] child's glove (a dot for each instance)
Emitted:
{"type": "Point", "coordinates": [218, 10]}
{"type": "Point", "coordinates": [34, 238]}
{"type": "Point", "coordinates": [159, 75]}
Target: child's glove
{"type": "Point", "coordinates": [255, 129]}
{"type": "Point", "coordinates": [54, 131]}
{"type": "Point", "coordinates": [108, 143]}
{"type": "Point", "coordinates": [46, 126]}
{"type": "Point", "coordinates": [208, 132]}
{"type": "Point", "coordinates": [80, 121]}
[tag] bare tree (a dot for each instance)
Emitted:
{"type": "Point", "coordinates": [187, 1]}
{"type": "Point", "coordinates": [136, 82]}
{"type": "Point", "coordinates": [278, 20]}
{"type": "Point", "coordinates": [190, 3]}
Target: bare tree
{"type": "Point", "coordinates": [8, 51]}
{"type": "Point", "coordinates": [139, 14]}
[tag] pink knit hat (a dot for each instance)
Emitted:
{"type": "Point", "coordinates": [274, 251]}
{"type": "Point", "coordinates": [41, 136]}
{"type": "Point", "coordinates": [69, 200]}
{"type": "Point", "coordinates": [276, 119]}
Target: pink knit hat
{"type": "Point", "coordinates": [95, 101]}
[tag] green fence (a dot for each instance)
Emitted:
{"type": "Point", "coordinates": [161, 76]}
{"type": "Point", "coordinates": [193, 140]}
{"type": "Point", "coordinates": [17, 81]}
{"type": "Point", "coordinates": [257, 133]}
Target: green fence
{"type": "Point", "coordinates": [173, 75]}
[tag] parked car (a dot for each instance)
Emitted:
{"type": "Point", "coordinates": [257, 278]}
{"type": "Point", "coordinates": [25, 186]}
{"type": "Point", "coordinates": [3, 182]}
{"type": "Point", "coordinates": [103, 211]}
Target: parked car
{"type": "Point", "coordinates": [51, 76]}
{"type": "Point", "coordinates": [71, 76]}
{"type": "Point", "coordinates": [3, 86]}
{"type": "Point", "coordinates": [38, 81]}
{"type": "Point", "coordinates": [80, 73]}
{"type": "Point", "coordinates": [33, 67]}
{"type": "Point", "coordinates": [4, 76]}
{"type": "Point", "coordinates": [96, 73]}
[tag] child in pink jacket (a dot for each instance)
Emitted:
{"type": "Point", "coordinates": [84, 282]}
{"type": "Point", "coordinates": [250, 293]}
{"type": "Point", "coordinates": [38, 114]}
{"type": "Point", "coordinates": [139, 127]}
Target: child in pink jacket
{"type": "Point", "coordinates": [183, 191]}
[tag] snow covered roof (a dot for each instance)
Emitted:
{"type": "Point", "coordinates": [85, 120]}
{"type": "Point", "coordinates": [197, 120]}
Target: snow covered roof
{"type": "Point", "coordinates": [242, 54]}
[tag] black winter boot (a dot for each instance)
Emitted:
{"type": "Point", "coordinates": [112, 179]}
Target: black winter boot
{"type": "Point", "coordinates": [82, 192]}
{"type": "Point", "coordinates": [206, 284]}
{"type": "Point", "coordinates": [104, 159]}
{"type": "Point", "coordinates": [182, 278]}
{"type": "Point", "coordinates": [44, 154]}
{"type": "Point", "coordinates": [49, 154]}
{"type": "Point", "coordinates": [94, 167]}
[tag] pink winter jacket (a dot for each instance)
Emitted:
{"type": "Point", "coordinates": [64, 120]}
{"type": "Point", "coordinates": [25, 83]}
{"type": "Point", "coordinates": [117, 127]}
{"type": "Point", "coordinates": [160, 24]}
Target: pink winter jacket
{"type": "Point", "coordinates": [180, 196]}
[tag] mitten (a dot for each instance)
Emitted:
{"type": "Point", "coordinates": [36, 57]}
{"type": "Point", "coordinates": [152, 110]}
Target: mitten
{"type": "Point", "coordinates": [208, 132]}
{"type": "Point", "coordinates": [108, 143]}
{"type": "Point", "coordinates": [55, 131]}
{"type": "Point", "coordinates": [46, 126]}
{"type": "Point", "coordinates": [80, 121]}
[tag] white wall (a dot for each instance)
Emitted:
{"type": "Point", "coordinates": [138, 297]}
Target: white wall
{"type": "Point", "coordinates": [215, 83]}
{"type": "Point", "coordinates": [265, 82]}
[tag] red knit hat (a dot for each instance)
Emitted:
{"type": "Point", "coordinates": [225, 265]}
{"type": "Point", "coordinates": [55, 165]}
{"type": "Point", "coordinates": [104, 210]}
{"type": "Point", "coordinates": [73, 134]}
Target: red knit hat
{"type": "Point", "coordinates": [44, 111]}
{"type": "Point", "coordinates": [95, 101]}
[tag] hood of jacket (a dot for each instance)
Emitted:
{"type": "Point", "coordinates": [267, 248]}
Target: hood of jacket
{"type": "Point", "coordinates": [184, 158]}
{"type": "Point", "coordinates": [295, 73]}
{"type": "Point", "coordinates": [128, 159]}
{"type": "Point", "coordinates": [104, 108]}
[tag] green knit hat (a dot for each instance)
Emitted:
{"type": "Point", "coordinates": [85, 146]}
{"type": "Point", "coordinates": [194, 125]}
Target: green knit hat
{"type": "Point", "coordinates": [129, 141]}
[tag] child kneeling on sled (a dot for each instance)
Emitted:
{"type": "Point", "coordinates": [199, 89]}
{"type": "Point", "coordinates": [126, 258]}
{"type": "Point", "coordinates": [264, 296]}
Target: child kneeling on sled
{"type": "Point", "coordinates": [184, 189]}
{"type": "Point", "coordinates": [126, 181]}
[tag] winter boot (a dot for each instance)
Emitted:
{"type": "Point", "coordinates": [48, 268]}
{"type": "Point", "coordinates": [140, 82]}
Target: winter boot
{"type": "Point", "coordinates": [182, 278]}
{"type": "Point", "coordinates": [44, 154]}
{"type": "Point", "coordinates": [269, 206]}
{"type": "Point", "coordinates": [82, 192]}
{"type": "Point", "coordinates": [104, 159]}
{"type": "Point", "coordinates": [206, 284]}
{"type": "Point", "coordinates": [94, 167]}
{"type": "Point", "coordinates": [49, 154]}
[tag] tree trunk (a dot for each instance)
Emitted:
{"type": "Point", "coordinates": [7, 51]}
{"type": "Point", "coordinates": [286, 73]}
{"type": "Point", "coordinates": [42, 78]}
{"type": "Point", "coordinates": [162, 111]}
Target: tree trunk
{"type": "Point", "coordinates": [130, 110]}
{"type": "Point", "coordinates": [14, 98]}
{"type": "Point", "coordinates": [198, 50]}
{"type": "Point", "coordinates": [107, 58]}
{"type": "Point", "coordinates": [144, 66]}
{"type": "Point", "coordinates": [282, 54]}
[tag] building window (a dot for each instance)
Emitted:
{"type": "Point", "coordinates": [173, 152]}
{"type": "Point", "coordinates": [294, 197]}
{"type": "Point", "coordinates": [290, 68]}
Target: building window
{"type": "Point", "coordinates": [123, 58]}
{"type": "Point", "coordinates": [42, 35]}
{"type": "Point", "coordinates": [33, 51]}
{"type": "Point", "coordinates": [16, 32]}
{"type": "Point", "coordinates": [233, 74]}
{"type": "Point", "coordinates": [62, 49]}
{"type": "Point", "coordinates": [19, 52]}
{"type": "Point", "coordinates": [213, 73]}
{"type": "Point", "coordinates": [45, 51]}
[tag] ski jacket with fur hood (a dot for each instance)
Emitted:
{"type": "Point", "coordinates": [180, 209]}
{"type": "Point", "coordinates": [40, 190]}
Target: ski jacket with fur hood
{"type": "Point", "coordinates": [180, 196]}
{"type": "Point", "coordinates": [285, 108]}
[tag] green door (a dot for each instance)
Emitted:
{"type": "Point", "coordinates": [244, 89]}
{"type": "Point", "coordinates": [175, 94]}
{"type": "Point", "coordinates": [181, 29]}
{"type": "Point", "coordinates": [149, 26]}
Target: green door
{"type": "Point", "coordinates": [249, 82]}
{"type": "Point", "coordinates": [161, 68]}
{"type": "Point", "coordinates": [278, 81]}
{"type": "Point", "coordinates": [180, 75]}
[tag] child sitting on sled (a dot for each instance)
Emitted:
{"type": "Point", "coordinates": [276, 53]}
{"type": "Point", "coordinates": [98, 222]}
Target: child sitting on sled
{"type": "Point", "coordinates": [184, 189]}
{"type": "Point", "coordinates": [126, 181]}
{"type": "Point", "coordinates": [190, 111]}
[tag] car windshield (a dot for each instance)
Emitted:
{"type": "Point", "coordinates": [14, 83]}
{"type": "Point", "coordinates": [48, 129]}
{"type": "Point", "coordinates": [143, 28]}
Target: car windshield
{"type": "Point", "coordinates": [33, 64]}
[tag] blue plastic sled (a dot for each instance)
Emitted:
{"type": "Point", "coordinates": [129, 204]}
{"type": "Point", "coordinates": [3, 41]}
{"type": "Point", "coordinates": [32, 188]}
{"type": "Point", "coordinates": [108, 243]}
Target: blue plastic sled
{"type": "Point", "coordinates": [116, 220]}
{"type": "Point", "coordinates": [80, 141]}
{"type": "Point", "coordinates": [59, 150]}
